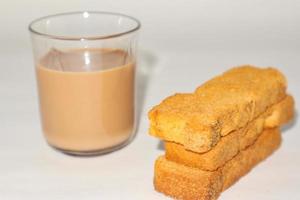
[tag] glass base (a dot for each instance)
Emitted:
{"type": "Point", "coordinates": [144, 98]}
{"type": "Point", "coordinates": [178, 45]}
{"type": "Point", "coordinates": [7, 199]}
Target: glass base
{"type": "Point", "coordinates": [96, 152]}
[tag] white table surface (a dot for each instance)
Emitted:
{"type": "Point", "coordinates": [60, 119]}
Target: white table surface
{"type": "Point", "coordinates": [175, 56]}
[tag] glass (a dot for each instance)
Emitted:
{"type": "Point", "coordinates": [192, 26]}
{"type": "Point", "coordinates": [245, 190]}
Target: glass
{"type": "Point", "coordinates": [85, 68]}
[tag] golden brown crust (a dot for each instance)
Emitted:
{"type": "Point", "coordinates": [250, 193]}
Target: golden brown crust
{"type": "Point", "coordinates": [241, 164]}
{"type": "Point", "coordinates": [220, 106]}
{"type": "Point", "coordinates": [281, 113]}
{"type": "Point", "coordinates": [182, 182]}
{"type": "Point", "coordinates": [231, 144]}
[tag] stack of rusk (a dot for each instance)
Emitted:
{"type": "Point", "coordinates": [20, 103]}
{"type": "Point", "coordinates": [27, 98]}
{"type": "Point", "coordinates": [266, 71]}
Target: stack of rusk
{"type": "Point", "coordinates": [217, 134]}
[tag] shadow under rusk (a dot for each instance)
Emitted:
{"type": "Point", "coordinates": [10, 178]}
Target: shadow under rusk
{"type": "Point", "coordinates": [160, 145]}
{"type": "Point", "coordinates": [291, 124]}
{"type": "Point", "coordinates": [145, 70]}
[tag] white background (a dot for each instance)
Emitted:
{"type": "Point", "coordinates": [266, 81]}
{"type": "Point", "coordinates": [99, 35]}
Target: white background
{"type": "Point", "coordinates": [182, 44]}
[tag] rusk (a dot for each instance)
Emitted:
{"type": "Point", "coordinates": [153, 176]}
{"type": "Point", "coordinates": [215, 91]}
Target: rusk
{"type": "Point", "coordinates": [218, 107]}
{"type": "Point", "coordinates": [188, 183]}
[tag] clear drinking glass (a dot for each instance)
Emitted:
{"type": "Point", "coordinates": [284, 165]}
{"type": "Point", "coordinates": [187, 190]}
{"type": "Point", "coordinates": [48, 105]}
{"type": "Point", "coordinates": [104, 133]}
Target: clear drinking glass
{"type": "Point", "coordinates": [85, 68]}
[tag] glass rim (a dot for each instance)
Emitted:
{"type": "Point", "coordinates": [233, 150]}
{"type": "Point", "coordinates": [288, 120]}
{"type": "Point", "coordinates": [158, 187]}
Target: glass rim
{"type": "Point", "coordinates": [100, 37]}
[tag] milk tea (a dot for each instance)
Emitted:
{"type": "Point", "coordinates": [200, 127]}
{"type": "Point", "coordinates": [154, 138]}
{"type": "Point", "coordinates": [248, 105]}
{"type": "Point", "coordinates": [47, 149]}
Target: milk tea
{"type": "Point", "coordinates": [86, 98]}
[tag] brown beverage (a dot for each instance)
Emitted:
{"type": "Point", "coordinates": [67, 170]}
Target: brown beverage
{"type": "Point", "coordinates": [86, 98]}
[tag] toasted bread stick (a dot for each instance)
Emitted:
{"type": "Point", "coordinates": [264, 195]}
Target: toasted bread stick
{"type": "Point", "coordinates": [187, 183]}
{"type": "Point", "coordinates": [226, 103]}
